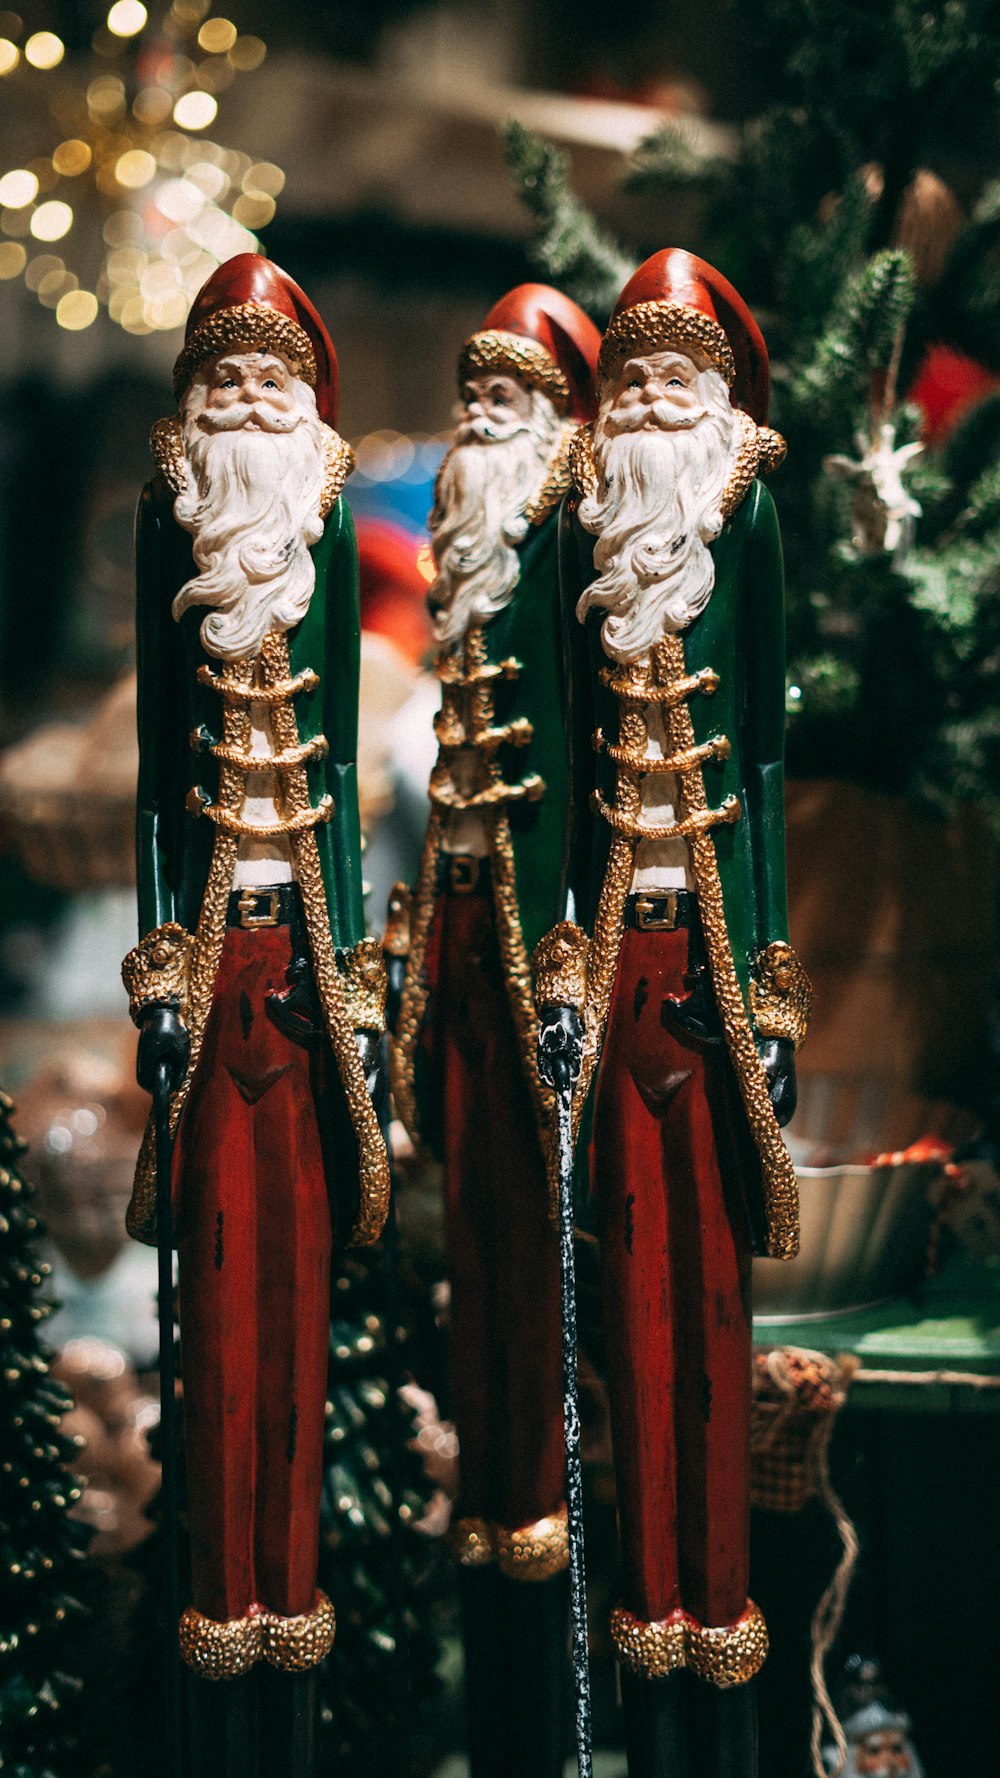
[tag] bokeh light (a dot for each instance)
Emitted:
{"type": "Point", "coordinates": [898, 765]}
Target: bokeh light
{"type": "Point", "coordinates": [13, 259]}
{"type": "Point", "coordinates": [135, 168]}
{"type": "Point", "coordinates": [217, 35]}
{"type": "Point", "coordinates": [10, 55]}
{"type": "Point", "coordinates": [44, 50]}
{"type": "Point", "coordinates": [76, 310]}
{"type": "Point", "coordinates": [72, 158]}
{"type": "Point", "coordinates": [195, 111]}
{"type": "Point", "coordinates": [127, 18]}
{"type": "Point", "coordinates": [52, 220]}
{"type": "Point", "coordinates": [18, 188]}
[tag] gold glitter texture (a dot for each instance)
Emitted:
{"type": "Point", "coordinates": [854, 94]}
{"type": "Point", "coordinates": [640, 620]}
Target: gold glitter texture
{"type": "Point", "coordinates": [725, 1656]}
{"type": "Point", "coordinates": [534, 1552]}
{"type": "Point", "coordinates": [517, 356]}
{"type": "Point", "coordinates": [155, 972]}
{"type": "Point", "coordinates": [251, 328]}
{"type": "Point", "coordinates": [780, 994]}
{"type": "Point", "coordinates": [655, 326]}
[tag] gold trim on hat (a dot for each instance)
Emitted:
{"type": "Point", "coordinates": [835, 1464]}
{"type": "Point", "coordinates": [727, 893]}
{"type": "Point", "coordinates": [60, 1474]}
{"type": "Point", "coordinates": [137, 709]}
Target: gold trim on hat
{"type": "Point", "coordinates": [519, 357]}
{"type": "Point", "coordinates": [655, 326]}
{"type": "Point", "coordinates": [253, 327]}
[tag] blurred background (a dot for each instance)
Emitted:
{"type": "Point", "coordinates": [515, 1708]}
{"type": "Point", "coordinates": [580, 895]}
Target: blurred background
{"type": "Point", "coordinates": [407, 161]}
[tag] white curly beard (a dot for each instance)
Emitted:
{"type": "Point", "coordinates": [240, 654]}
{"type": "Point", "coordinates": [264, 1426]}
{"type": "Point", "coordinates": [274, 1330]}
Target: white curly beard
{"type": "Point", "coordinates": [657, 509]}
{"type": "Point", "coordinates": [487, 479]}
{"type": "Point", "coordinates": [252, 506]}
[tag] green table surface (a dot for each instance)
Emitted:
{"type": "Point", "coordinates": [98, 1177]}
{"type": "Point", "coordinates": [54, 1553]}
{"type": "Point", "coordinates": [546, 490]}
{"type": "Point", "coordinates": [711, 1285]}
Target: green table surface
{"type": "Point", "coordinates": [951, 1325]}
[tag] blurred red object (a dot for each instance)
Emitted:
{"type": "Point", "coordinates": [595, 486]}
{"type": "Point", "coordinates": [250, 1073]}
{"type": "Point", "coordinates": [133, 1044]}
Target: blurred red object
{"type": "Point", "coordinates": [945, 385]}
{"type": "Point", "coordinates": [396, 570]}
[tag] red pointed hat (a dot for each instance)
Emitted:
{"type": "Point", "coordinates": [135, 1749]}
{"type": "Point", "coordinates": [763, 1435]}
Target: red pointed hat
{"type": "Point", "coordinates": [250, 302]}
{"type": "Point", "coordinates": [676, 299]}
{"type": "Point", "coordinates": [538, 334]}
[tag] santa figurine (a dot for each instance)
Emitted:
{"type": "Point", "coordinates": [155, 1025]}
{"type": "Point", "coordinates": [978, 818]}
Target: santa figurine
{"type": "Point", "coordinates": [464, 1073]}
{"type": "Point", "coordinates": [877, 1732]}
{"type": "Point", "coordinates": [676, 986]}
{"type": "Point", "coordinates": [253, 981]}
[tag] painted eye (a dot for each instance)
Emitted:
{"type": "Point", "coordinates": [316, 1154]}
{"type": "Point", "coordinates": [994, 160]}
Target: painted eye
{"type": "Point", "coordinates": [635, 382]}
{"type": "Point", "coordinates": [270, 384]}
{"type": "Point", "coordinates": [230, 383]}
{"type": "Point", "coordinates": [675, 383]}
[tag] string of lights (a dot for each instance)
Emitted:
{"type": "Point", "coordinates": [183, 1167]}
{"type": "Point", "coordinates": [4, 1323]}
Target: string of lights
{"type": "Point", "coordinates": [142, 204]}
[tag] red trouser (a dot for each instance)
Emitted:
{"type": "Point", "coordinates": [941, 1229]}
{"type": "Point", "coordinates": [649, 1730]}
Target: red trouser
{"type": "Point", "coordinates": [675, 1260]}
{"type": "Point", "coordinates": [254, 1261]}
{"type": "Point", "coordinates": [503, 1256]}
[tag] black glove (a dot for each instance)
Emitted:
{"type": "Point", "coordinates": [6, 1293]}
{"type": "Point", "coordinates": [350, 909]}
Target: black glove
{"type": "Point", "coordinates": [372, 1054]}
{"type": "Point", "coordinates": [395, 969]}
{"type": "Point", "coordinates": [163, 1037]}
{"type": "Point", "coordinates": [778, 1056]}
{"type": "Point", "coordinates": [560, 1046]}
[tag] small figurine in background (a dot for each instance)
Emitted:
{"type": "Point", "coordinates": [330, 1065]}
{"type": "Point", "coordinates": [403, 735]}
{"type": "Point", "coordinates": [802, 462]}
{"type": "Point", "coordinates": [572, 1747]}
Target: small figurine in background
{"type": "Point", "coordinates": [464, 1075]}
{"type": "Point", "coordinates": [679, 981]}
{"type": "Point", "coordinates": [877, 1732]}
{"type": "Point", "coordinates": [253, 982]}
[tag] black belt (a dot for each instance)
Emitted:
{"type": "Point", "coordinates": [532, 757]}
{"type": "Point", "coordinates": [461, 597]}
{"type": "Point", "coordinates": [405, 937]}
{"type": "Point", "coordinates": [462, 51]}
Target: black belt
{"type": "Point", "coordinates": [278, 905]}
{"type": "Point", "coordinates": [661, 910]}
{"type": "Point", "coordinates": [462, 873]}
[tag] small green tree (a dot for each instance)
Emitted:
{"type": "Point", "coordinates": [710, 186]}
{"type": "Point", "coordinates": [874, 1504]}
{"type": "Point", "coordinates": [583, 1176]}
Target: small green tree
{"type": "Point", "coordinates": [41, 1546]}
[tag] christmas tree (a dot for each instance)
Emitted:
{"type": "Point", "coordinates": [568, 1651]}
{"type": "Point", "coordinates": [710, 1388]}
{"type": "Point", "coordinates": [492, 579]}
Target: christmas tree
{"type": "Point", "coordinates": [379, 1569]}
{"type": "Point", "coordinates": [40, 1544]}
{"type": "Point", "coordinates": [855, 216]}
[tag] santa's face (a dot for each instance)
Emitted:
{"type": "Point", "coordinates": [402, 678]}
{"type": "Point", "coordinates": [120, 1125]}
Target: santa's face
{"type": "Point", "coordinates": [884, 1754]}
{"type": "Point", "coordinates": [665, 442]}
{"type": "Point", "coordinates": [505, 437]}
{"type": "Point", "coordinates": [255, 451]}
{"type": "Point", "coordinates": [250, 390]}
{"type": "Point", "coordinates": [494, 406]}
{"type": "Point", "coordinates": [657, 390]}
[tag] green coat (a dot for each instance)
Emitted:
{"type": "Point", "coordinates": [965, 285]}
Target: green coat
{"type": "Point", "coordinates": [173, 846]}
{"type": "Point", "coordinates": [741, 635]}
{"type": "Point", "coordinates": [528, 838]}
{"type": "Point", "coordinates": [740, 638]}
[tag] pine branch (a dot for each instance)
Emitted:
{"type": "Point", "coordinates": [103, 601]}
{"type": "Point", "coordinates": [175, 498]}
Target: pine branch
{"type": "Point", "coordinates": [670, 157]}
{"type": "Point", "coordinates": [570, 247]}
{"type": "Point", "coordinates": [872, 306]}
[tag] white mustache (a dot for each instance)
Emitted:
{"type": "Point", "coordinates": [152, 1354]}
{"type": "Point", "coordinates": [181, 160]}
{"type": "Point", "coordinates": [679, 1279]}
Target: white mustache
{"type": "Point", "coordinates": [657, 414]}
{"type": "Point", "coordinates": [234, 418]}
{"type": "Point", "coordinates": [473, 427]}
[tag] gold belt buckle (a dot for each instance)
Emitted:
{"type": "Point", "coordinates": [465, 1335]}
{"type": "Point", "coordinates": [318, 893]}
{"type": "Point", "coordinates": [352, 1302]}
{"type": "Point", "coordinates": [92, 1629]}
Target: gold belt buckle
{"type": "Point", "coordinates": [248, 901]}
{"type": "Point", "coordinates": [462, 872]}
{"type": "Point", "coordinates": [648, 919]}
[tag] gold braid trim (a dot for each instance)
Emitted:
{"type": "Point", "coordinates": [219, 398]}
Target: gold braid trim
{"type": "Point", "coordinates": [166, 443]}
{"type": "Point", "coordinates": [518, 356]}
{"type": "Point", "coordinates": [140, 1220]}
{"type": "Point", "coordinates": [413, 1002]}
{"type": "Point", "coordinates": [534, 1552]}
{"type": "Point", "coordinates": [294, 1644]}
{"type": "Point", "coordinates": [559, 966]}
{"type": "Point", "coordinates": [475, 676]}
{"type": "Point", "coordinates": [255, 329]}
{"type": "Point", "coordinates": [223, 1650]}
{"type": "Point", "coordinates": [726, 1656]}
{"type": "Point", "coordinates": [365, 984]}
{"type": "Point", "coordinates": [654, 326]}
{"type": "Point", "coordinates": [373, 1162]}
{"type": "Point", "coordinates": [781, 1196]}
{"type": "Point", "coordinates": [759, 451]}
{"type": "Point", "coordinates": [558, 480]}
{"type": "Point", "coordinates": [780, 994]}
